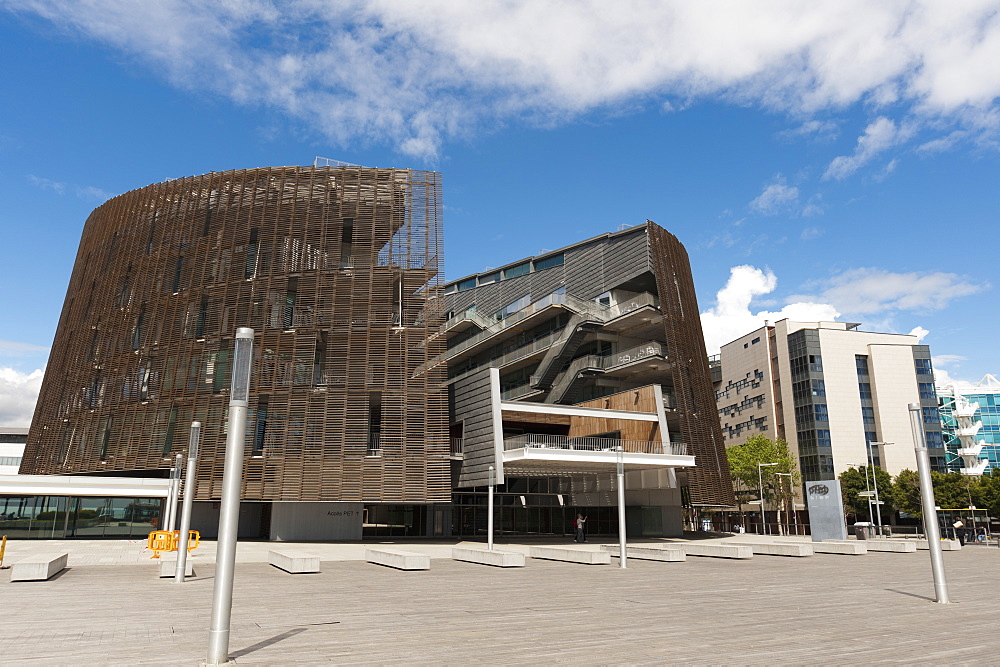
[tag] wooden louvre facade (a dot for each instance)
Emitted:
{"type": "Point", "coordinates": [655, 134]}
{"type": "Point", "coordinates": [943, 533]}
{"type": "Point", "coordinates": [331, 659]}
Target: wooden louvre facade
{"type": "Point", "coordinates": [338, 271]}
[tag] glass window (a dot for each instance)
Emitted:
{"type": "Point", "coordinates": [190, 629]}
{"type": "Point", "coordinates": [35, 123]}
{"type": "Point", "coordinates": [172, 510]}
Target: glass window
{"type": "Point", "coordinates": [512, 307]}
{"type": "Point", "coordinates": [818, 388]}
{"type": "Point", "coordinates": [489, 278]}
{"type": "Point", "coordinates": [466, 284]}
{"type": "Point", "coordinates": [926, 390]}
{"type": "Point", "coordinates": [549, 262]}
{"type": "Point", "coordinates": [861, 362]}
{"type": "Point", "coordinates": [865, 389]}
{"type": "Point", "coordinates": [821, 414]}
{"type": "Point", "coordinates": [518, 270]}
{"type": "Point", "coordinates": [868, 415]}
{"type": "Point", "coordinates": [931, 415]}
{"type": "Point", "coordinates": [923, 366]}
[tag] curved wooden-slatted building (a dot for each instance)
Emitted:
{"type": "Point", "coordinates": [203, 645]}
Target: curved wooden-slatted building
{"type": "Point", "coordinates": [337, 269]}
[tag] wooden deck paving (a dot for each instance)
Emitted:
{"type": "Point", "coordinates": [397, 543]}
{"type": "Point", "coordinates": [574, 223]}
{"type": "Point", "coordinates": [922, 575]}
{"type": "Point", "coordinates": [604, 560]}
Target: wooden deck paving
{"type": "Point", "coordinates": [821, 609]}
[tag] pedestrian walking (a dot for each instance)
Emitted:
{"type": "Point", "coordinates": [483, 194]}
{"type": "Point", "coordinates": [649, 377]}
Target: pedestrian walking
{"type": "Point", "coordinates": [581, 524]}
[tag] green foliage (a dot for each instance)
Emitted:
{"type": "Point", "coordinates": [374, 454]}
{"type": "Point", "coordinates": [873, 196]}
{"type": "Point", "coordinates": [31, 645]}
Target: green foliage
{"type": "Point", "coordinates": [986, 493]}
{"type": "Point", "coordinates": [743, 460]}
{"type": "Point", "coordinates": [951, 490]}
{"type": "Point", "coordinates": [906, 493]}
{"type": "Point", "coordinates": [854, 482]}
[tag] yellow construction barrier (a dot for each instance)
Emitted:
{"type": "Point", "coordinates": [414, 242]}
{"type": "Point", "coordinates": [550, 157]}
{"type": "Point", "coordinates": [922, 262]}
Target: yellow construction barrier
{"type": "Point", "coordinates": [166, 540]}
{"type": "Point", "coordinates": [3, 547]}
{"type": "Point", "coordinates": [161, 540]}
{"type": "Point", "coordinates": [194, 539]}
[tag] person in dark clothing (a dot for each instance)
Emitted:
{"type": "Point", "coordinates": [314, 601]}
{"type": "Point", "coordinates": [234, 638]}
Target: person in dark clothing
{"type": "Point", "coordinates": [581, 523]}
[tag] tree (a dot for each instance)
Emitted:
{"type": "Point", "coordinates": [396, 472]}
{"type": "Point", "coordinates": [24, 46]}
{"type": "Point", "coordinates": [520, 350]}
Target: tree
{"type": "Point", "coordinates": [855, 481]}
{"type": "Point", "coordinates": [743, 465]}
{"type": "Point", "coordinates": [906, 493]}
{"type": "Point", "coordinates": [951, 490]}
{"type": "Point", "coordinates": [986, 492]}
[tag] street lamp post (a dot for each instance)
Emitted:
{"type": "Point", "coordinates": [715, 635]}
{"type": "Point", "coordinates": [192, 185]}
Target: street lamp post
{"type": "Point", "coordinates": [489, 516]}
{"type": "Point", "coordinates": [185, 526]}
{"type": "Point", "coordinates": [789, 476]}
{"type": "Point", "coordinates": [878, 502]}
{"type": "Point", "coordinates": [931, 527]}
{"type": "Point", "coordinates": [229, 513]}
{"type": "Point", "coordinates": [760, 481]}
{"type": "Point", "coordinates": [621, 507]}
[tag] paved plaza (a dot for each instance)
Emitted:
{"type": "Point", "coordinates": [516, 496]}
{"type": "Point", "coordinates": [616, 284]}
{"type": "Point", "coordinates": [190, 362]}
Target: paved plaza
{"type": "Point", "coordinates": [109, 607]}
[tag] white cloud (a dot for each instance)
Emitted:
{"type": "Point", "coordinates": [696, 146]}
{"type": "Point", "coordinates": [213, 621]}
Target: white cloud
{"type": "Point", "coordinates": [919, 332]}
{"type": "Point", "coordinates": [81, 191]}
{"type": "Point", "coordinates": [10, 348]}
{"type": "Point", "coordinates": [776, 198]}
{"type": "Point", "coordinates": [869, 291]}
{"type": "Point", "coordinates": [47, 184]}
{"type": "Point", "coordinates": [18, 394]}
{"type": "Point", "coordinates": [879, 136]}
{"type": "Point", "coordinates": [820, 129]}
{"type": "Point", "coordinates": [418, 73]}
{"type": "Point", "coordinates": [731, 316]}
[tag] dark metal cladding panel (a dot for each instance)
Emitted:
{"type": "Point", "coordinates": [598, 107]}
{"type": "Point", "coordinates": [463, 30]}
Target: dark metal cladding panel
{"type": "Point", "coordinates": [588, 270]}
{"type": "Point", "coordinates": [710, 482]}
{"type": "Point", "coordinates": [337, 269]}
{"type": "Point", "coordinates": [473, 409]}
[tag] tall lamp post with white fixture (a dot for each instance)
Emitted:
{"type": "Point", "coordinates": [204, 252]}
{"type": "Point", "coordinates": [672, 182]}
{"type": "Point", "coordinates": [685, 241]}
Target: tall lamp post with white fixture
{"type": "Point", "coordinates": [789, 476]}
{"type": "Point", "coordinates": [871, 459]}
{"type": "Point", "coordinates": [760, 481]}
{"type": "Point", "coordinates": [229, 514]}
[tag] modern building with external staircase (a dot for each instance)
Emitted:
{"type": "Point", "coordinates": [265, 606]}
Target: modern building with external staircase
{"type": "Point", "coordinates": [560, 365]}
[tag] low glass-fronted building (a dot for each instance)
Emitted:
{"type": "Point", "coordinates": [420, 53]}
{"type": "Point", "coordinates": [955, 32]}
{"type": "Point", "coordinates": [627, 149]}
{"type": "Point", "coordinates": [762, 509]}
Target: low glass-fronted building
{"type": "Point", "coordinates": [56, 507]}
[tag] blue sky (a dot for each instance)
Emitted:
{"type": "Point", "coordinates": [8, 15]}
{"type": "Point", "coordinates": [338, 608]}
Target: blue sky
{"type": "Point", "coordinates": [815, 158]}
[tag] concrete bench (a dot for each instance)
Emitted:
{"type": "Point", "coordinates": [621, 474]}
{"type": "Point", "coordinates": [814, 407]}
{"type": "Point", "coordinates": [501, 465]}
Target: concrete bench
{"type": "Point", "coordinates": [487, 557]}
{"type": "Point", "coordinates": [401, 560]}
{"type": "Point", "coordinates": [571, 555]}
{"type": "Point", "coordinates": [168, 567]}
{"type": "Point", "coordinates": [846, 548]}
{"type": "Point", "coordinates": [946, 545]}
{"type": "Point", "coordinates": [674, 555]}
{"type": "Point", "coordinates": [717, 550]}
{"type": "Point", "coordinates": [895, 546]}
{"type": "Point", "coordinates": [797, 549]}
{"type": "Point", "coordinates": [39, 567]}
{"type": "Point", "coordinates": [294, 562]}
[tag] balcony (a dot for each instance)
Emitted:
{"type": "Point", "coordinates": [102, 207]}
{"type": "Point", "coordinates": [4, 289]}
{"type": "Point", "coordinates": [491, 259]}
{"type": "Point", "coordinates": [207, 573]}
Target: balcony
{"type": "Point", "coordinates": [457, 448]}
{"type": "Point", "coordinates": [977, 469]}
{"type": "Point", "coordinates": [973, 450]}
{"type": "Point", "coordinates": [538, 453]}
{"type": "Point", "coordinates": [970, 430]}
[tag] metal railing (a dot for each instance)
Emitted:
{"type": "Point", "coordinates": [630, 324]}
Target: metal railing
{"type": "Point", "coordinates": [457, 446]}
{"type": "Point", "coordinates": [608, 362]}
{"type": "Point", "coordinates": [516, 354]}
{"type": "Point", "coordinates": [589, 444]}
{"type": "Point", "coordinates": [603, 313]}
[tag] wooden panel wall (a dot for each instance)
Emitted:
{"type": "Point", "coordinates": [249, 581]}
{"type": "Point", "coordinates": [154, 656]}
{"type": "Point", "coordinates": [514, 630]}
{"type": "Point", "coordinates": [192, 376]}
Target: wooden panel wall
{"type": "Point", "coordinates": [641, 399]}
{"type": "Point", "coordinates": [338, 271]}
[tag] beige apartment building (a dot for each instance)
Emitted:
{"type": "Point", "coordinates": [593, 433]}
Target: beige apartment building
{"type": "Point", "coordinates": [837, 395]}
